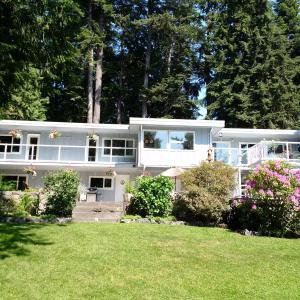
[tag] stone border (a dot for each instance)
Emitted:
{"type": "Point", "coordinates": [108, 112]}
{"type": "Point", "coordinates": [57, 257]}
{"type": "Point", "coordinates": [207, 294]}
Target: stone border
{"type": "Point", "coordinates": [19, 220]}
{"type": "Point", "coordinates": [152, 221]}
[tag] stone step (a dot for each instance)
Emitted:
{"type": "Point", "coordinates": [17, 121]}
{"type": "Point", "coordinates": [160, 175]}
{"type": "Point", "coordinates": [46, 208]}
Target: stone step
{"type": "Point", "coordinates": [100, 203]}
{"type": "Point", "coordinates": [77, 219]}
{"type": "Point", "coordinates": [103, 215]}
{"type": "Point", "coordinates": [98, 209]}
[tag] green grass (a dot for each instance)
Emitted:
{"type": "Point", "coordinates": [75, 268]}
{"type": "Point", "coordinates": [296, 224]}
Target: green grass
{"type": "Point", "coordinates": [141, 261]}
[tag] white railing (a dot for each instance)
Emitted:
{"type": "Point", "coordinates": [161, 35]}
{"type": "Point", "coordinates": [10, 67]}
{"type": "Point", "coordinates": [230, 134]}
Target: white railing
{"type": "Point", "coordinates": [67, 153]}
{"type": "Point", "coordinates": [231, 156]}
{"type": "Point", "coordinates": [270, 150]}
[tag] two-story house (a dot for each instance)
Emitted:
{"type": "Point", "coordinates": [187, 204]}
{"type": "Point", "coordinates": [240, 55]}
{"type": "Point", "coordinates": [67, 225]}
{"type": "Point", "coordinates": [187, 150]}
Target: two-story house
{"type": "Point", "coordinates": [107, 155]}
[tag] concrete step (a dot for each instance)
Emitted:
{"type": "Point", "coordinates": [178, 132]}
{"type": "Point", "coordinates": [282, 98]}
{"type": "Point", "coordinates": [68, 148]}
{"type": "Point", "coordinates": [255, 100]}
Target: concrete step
{"type": "Point", "coordinates": [100, 203]}
{"type": "Point", "coordinates": [91, 214]}
{"type": "Point", "coordinates": [96, 220]}
{"type": "Point", "coordinates": [98, 209]}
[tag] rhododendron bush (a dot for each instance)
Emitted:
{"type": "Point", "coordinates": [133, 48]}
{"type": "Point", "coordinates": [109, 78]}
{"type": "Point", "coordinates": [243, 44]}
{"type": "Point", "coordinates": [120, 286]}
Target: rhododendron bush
{"type": "Point", "coordinates": [272, 202]}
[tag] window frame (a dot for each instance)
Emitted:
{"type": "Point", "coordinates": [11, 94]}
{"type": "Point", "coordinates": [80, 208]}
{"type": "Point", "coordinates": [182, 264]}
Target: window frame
{"type": "Point", "coordinates": [111, 147]}
{"type": "Point", "coordinates": [168, 144]}
{"type": "Point", "coordinates": [104, 177]}
{"type": "Point", "coordinates": [12, 144]}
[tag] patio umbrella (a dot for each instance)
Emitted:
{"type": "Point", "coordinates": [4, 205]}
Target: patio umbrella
{"type": "Point", "coordinates": [173, 172]}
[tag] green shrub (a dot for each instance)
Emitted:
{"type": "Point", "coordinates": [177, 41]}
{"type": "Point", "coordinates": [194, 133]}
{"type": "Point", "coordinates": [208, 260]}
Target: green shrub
{"type": "Point", "coordinates": [129, 187]}
{"type": "Point", "coordinates": [152, 196]}
{"type": "Point", "coordinates": [207, 191]}
{"type": "Point", "coordinates": [8, 207]}
{"type": "Point", "coordinates": [29, 204]}
{"type": "Point", "coordinates": [272, 203]}
{"type": "Point", "coordinates": [61, 189]}
{"type": "Point", "coordinates": [7, 185]}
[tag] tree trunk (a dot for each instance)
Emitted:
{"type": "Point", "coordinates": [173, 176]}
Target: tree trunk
{"type": "Point", "coordinates": [90, 73]}
{"type": "Point", "coordinates": [121, 97]}
{"type": "Point", "coordinates": [99, 74]}
{"type": "Point", "coordinates": [170, 54]}
{"type": "Point", "coordinates": [146, 76]}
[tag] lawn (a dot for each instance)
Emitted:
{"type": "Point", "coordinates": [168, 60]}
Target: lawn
{"type": "Point", "coordinates": [142, 261]}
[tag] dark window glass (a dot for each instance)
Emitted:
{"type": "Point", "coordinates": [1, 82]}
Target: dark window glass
{"type": "Point", "coordinates": [92, 150]}
{"type": "Point", "coordinates": [107, 143]}
{"type": "Point", "coordinates": [118, 152]}
{"type": "Point", "coordinates": [96, 182]}
{"type": "Point", "coordinates": [107, 183]}
{"type": "Point", "coordinates": [118, 143]}
{"type": "Point", "coordinates": [106, 151]}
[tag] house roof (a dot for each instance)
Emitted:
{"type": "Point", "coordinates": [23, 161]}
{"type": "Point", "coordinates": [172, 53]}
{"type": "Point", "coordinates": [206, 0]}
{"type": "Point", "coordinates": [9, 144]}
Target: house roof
{"type": "Point", "coordinates": [259, 133]}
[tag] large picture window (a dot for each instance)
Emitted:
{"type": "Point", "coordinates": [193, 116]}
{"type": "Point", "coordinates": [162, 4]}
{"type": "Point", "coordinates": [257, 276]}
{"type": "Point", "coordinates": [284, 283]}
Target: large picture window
{"type": "Point", "coordinates": [181, 140]}
{"type": "Point", "coordinates": [13, 144]}
{"type": "Point", "coordinates": [118, 147]}
{"type": "Point", "coordinates": [101, 182]}
{"type": "Point", "coordinates": [156, 139]}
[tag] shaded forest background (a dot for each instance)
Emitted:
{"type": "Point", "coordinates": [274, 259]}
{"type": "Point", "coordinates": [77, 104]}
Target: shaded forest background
{"type": "Point", "coordinates": [104, 61]}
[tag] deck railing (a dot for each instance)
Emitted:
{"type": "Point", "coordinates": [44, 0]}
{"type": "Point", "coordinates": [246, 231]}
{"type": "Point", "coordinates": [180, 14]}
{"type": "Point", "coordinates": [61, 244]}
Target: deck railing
{"type": "Point", "coordinates": [67, 153]}
{"type": "Point", "coordinates": [270, 150]}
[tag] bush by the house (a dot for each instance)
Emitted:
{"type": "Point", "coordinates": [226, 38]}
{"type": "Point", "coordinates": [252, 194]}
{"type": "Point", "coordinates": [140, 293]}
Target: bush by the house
{"type": "Point", "coordinates": [152, 196]}
{"type": "Point", "coordinates": [61, 188]}
{"type": "Point", "coordinates": [208, 189]}
{"type": "Point", "coordinates": [272, 203]}
{"type": "Point", "coordinates": [7, 206]}
{"type": "Point", "coordinates": [29, 205]}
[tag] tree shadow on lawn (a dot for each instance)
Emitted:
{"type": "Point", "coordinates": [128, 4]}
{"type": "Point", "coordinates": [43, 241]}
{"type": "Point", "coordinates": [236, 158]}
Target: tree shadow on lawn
{"type": "Point", "coordinates": [14, 238]}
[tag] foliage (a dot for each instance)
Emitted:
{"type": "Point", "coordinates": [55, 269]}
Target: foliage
{"type": "Point", "coordinates": [208, 189]}
{"type": "Point", "coordinates": [251, 79]}
{"type": "Point", "coordinates": [272, 204]}
{"type": "Point", "coordinates": [7, 185]}
{"type": "Point", "coordinates": [29, 204]}
{"type": "Point", "coordinates": [152, 196]}
{"type": "Point", "coordinates": [61, 188]}
{"type": "Point", "coordinates": [129, 187]}
{"type": "Point", "coordinates": [8, 206]}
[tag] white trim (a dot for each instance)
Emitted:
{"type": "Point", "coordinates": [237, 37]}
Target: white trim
{"type": "Point", "coordinates": [30, 135]}
{"type": "Point", "coordinates": [12, 143]}
{"type": "Point", "coordinates": [104, 177]}
{"type": "Point", "coordinates": [87, 143]}
{"type": "Point", "coordinates": [121, 148]}
{"type": "Point", "coordinates": [176, 122]}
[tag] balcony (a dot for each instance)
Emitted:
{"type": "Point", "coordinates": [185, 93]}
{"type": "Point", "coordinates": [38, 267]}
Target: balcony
{"type": "Point", "coordinates": [268, 150]}
{"type": "Point", "coordinates": [66, 154]}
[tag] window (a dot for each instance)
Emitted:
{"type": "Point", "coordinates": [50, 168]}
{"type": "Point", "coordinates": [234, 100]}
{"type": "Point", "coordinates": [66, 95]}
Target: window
{"type": "Point", "coordinates": [118, 147]}
{"type": "Point", "coordinates": [101, 182]}
{"type": "Point", "coordinates": [156, 139]}
{"type": "Point", "coordinates": [12, 144]}
{"type": "Point", "coordinates": [244, 152]}
{"type": "Point", "coordinates": [181, 140]}
{"type": "Point", "coordinates": [15, 182]}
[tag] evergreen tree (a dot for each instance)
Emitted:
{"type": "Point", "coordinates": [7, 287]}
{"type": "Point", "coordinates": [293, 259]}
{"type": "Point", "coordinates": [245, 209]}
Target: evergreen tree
{"type": "Point", "coordinates": [251, 68]}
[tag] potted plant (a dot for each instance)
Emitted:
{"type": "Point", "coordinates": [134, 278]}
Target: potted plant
{"type": "Point", "coordinates": [30, 171]}
{"type": "Point", "coordinates": [93, 137]}
{"type": "Point", "coordinates": [16, 133]}
{"type": "Point", "coordinates": [54, 134]}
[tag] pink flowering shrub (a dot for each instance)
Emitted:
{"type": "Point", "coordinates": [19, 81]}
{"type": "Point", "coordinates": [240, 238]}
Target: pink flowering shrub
{"type": "Point", "coordinates": [272, 202]}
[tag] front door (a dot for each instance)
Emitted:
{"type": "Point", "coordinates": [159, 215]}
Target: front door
{"type": "Point", "coordinates": [33, 141]}
{"type": "Point", "coordinates": [120, 187]}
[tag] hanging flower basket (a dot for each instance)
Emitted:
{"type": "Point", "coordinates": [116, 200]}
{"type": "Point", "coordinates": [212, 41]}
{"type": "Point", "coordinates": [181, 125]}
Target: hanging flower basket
{"type": "Point", "coordinates": [16, 133]}
{"type": "Point", "coordinates": [93, 137]}
{"type": "Point", "coordinates": [111, 172]}
{"type": "Point", "coordinates": [30, 171]}
{"type": "Point", "coordinates": [54, 134]}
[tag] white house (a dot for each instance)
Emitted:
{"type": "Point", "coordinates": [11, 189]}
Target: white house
{"type": "Point", "coordinates": [117, 153]}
